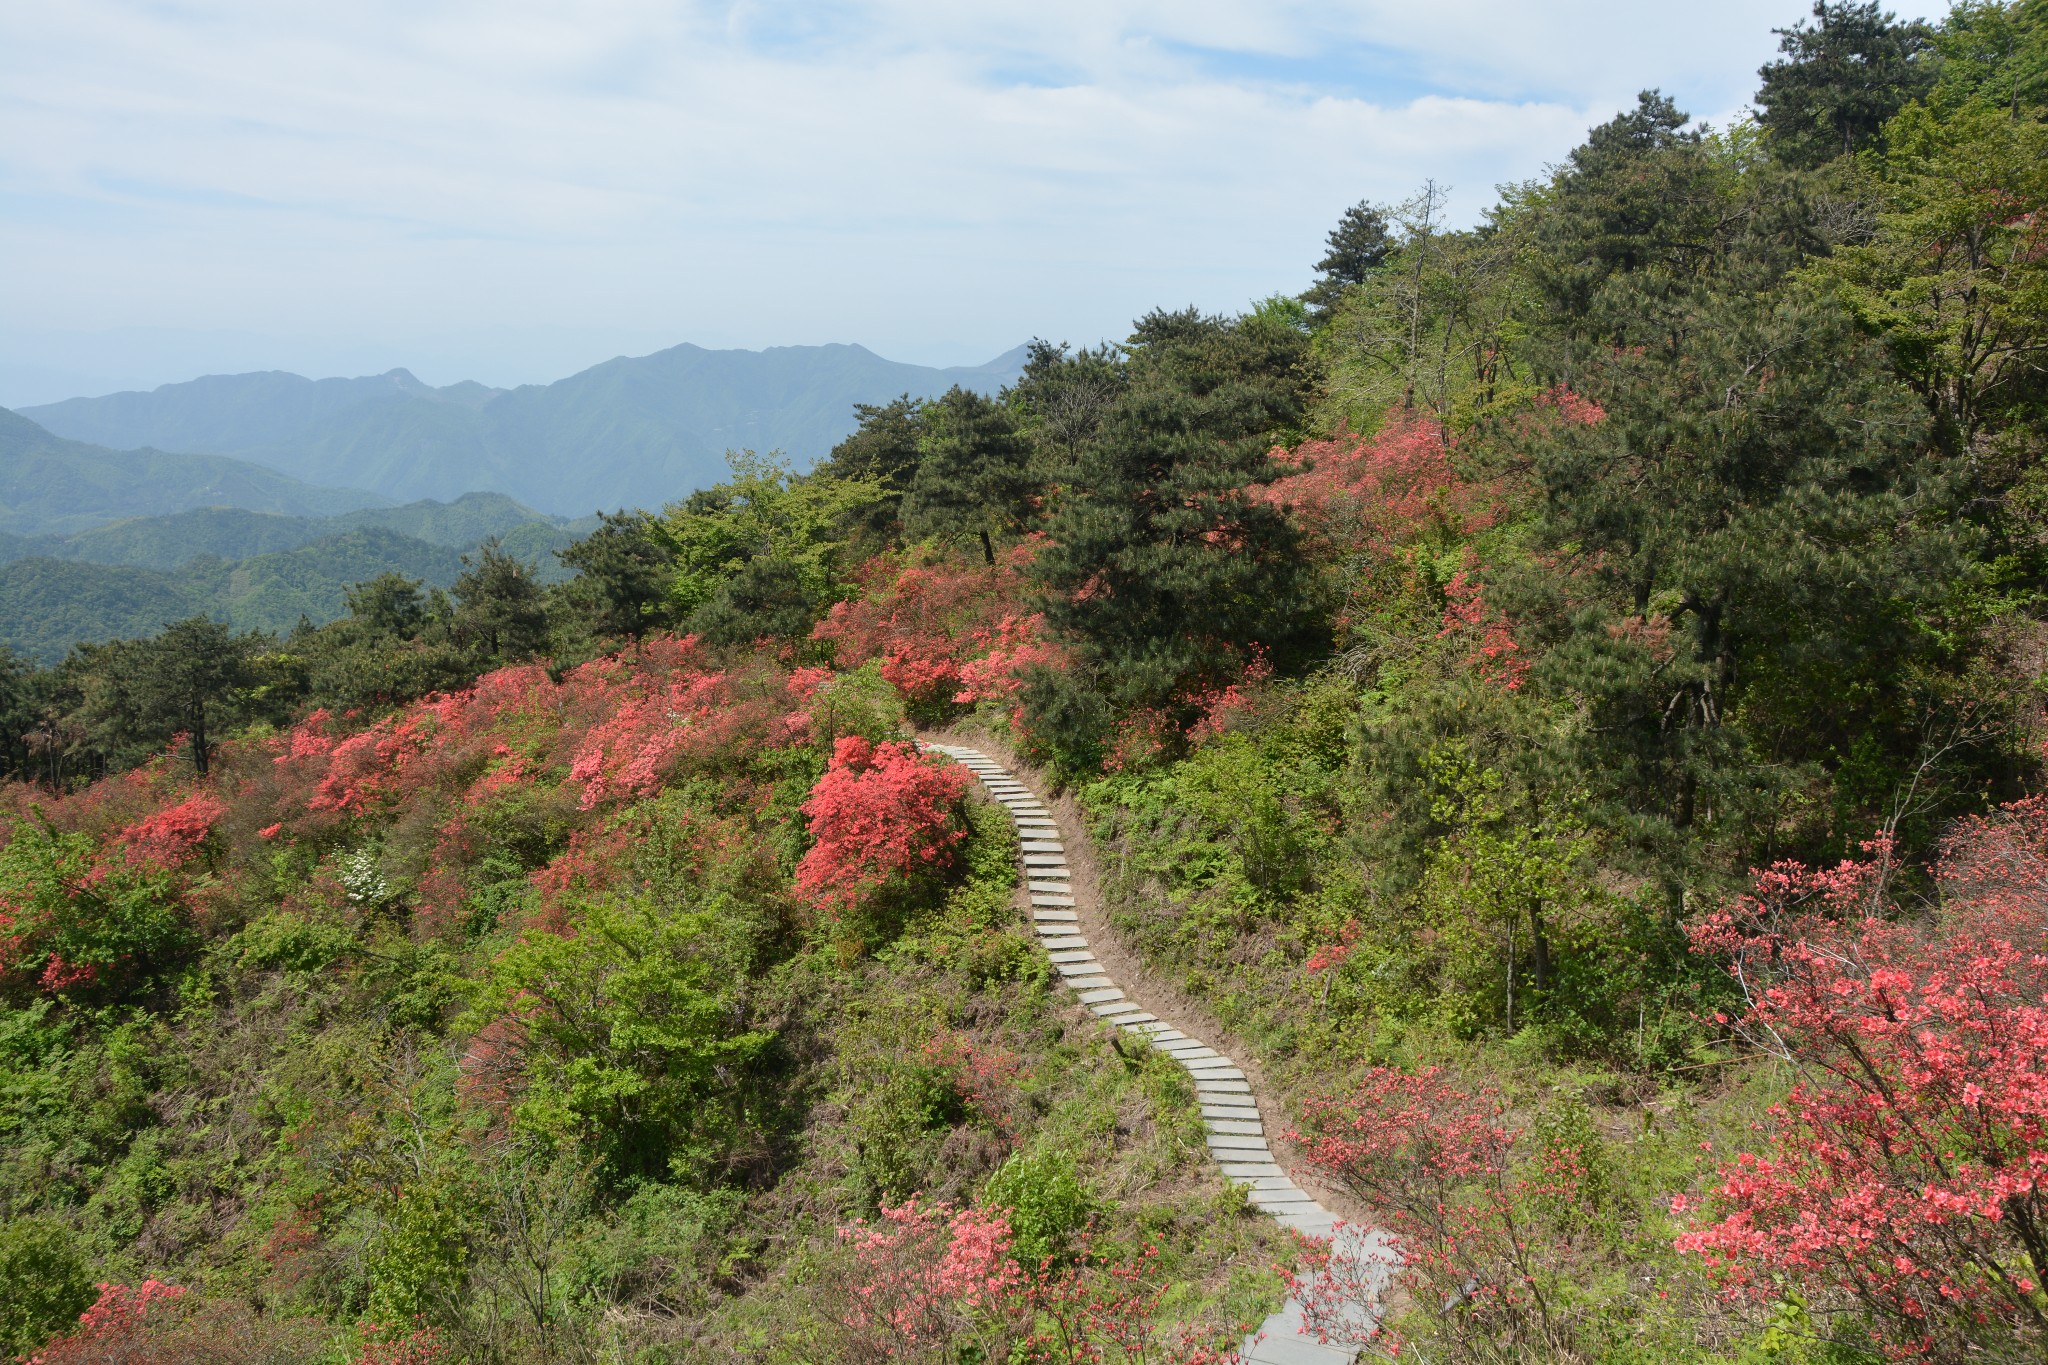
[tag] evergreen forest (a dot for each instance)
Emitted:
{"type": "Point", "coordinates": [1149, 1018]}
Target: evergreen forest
{"type": "Point", "coordinates": [1563, 696]}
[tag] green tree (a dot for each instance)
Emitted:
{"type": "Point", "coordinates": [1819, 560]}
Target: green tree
{"type": "Point", "coordinates": [638, 1028]}
{"type": "Point", "coordinates": [1750, 495]}
{"type": "Point", "coordinates": [763, 512]}
{"type": "Point", "coordinates": [975, 477]}
{"type": "Point", "coordinates": [1841, 78]}
{"type": "Point", "coordinates": [1062, 397]}
{"type": "Point", "coordinates": [625, 570]}
{"type": "Point", "coordinates": [1434, 327]}
{"type": "Point", "coordinates": [1357, 246]}
{"type": "Point", "coordinates": [187, 678]}
{"type": "Point", "coordinates": [500, 610]}
{"type": "Point", "coordinates": [1164, 571]}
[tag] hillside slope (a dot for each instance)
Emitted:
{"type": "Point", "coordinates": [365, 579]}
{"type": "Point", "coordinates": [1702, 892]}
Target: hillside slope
{"type": "Point", "coordinates": [633, 431]}
{"type": "Point", "coordinates": [53, 485]}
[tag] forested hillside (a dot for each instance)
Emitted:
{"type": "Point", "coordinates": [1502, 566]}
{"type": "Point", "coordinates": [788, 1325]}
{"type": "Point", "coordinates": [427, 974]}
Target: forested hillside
{"type": "Point", "coordinates": [52, 486]}
{"type": "Point", "coordinates": [1563, 697]}
{"type": "Point", "coordinates": [256, 570]}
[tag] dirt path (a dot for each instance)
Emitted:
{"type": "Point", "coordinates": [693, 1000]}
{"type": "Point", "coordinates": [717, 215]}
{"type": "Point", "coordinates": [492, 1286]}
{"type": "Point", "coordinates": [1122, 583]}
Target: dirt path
{"type": "Point", "coordinates": [1063, 896]}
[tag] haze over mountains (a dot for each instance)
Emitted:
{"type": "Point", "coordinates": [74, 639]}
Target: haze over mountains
{"type": "Point", "coordinates": [633, 431]}
{"type": "Point", "coordinates": [260, 498]}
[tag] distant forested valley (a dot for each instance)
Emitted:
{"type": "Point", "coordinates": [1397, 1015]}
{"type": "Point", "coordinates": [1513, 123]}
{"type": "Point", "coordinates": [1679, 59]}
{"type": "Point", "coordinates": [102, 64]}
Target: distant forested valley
{"type": "Point", "coordinates": [1562, 699]}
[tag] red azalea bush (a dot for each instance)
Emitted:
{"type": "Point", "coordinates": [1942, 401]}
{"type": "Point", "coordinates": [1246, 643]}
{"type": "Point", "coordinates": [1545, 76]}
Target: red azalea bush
{"type": "Point", "coordinates": [884, 817]}
{"type": "Point", "coordinates": [945, 634]}
{"type": "Point", "coordinates": [1375, 494]}
{"type": "Point", "coordinates": [1902, 1179]}
{"type": "Point", "coordinates": [930, 1279]}
{"type": "Point", "coordinates": [115, 1329]}
{"type": "Point", "coordinates": [1438, 1166]}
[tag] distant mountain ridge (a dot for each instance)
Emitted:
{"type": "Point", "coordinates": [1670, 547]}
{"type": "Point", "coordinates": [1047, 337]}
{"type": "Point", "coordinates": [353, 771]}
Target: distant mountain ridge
{"type": "Point", "coordinates": [633, 431]}
{"type": "Point", "coordinates": [53, 486]}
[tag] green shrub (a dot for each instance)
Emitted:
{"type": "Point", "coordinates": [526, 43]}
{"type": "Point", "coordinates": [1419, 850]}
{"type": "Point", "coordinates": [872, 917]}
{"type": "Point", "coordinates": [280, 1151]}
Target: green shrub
{"type": "Point", "coordinates": [1049, 1206]}
{"type": "Point", "coordinates": [44, 1282]}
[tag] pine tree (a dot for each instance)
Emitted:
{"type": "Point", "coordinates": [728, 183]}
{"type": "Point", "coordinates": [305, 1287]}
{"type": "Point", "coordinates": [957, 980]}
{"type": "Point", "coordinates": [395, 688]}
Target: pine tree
{"type": "Point", "coordinates": [1164, 573]}
{"type": "Point", "coordinates": [1840, 79]}
{"type": "Point", "coordinates": [975, 478]}
{"type": "Point", "coordinates": [1358, 245]}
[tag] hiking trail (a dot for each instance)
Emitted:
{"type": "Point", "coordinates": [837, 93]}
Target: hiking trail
{"type": "Point", "coordinates": [1230, 1109]}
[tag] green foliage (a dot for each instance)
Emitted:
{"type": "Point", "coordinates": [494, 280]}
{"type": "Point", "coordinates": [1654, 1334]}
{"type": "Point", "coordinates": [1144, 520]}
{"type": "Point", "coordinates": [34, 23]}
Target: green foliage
{"type": "Point", "coordinates": [1163, 571]}
{"type": "Point", "coordinates": [1841, 78]}
{"type": "Point", "coordinates": [45, 1282]}
{"type": "Point", "coordinates": [974, 478]}
{"type": "Point", "coordinates": [1358, 246]}
{"type": "Point", "coordinates": [768, 526]}
{"type": "Point", "coordinates": [638, 1027]}
{"type": "Point", "coordinates": [1049, 1206]}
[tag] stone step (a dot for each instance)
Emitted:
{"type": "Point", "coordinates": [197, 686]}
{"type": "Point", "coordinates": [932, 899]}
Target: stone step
{"type": "Point", "coordinates": [1085, 984]}
{"type": "Point", "coordinates": [1115, 1018]}
{"type": "Point", "coordinates": [1221, 1142]}
{"type": "Point", "coordinates": [1240, 1127]}
{"type": "Point", "coordinates": [1189, 1051]}
{"type": "Point", "coordinates": [1062, 941]}
{"type": "Point", "coordinates": [1221, 1088]}
{"type": "Point", "coordinates": [1251, 1170]}
{"type": "Point", "coordinates": [1081, 966]}
{"type": "Point", "coordinates": [1037, 860]}
{"type": "Point", "coordinates": [1057, 902]}
{"type": "Point", "coordinates": [1291, 1194]}
{"type": "Point", "coordinates": [1080, 954]}
{"type": "Point", "coordinates": [1214, 1072]}
{"type": "Point", "coordinates": [1055, 917]}
{"type": "Point", "coordinates": [1266, 1182]}
{"type": "Point", "coordinates": [1232, 1113]}
{"type": "Point", "coordinates": [1096, 997]}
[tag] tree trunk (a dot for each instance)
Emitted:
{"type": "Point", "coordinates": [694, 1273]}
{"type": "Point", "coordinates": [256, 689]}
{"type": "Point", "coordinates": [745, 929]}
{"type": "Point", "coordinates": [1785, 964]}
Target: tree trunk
{"type": "Point", "coordinates": [988, 549]}
{"type": "Point", "coordinates": [1539, 945]}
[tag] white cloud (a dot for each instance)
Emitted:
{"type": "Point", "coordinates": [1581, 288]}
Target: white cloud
{"type": "Point", "coordinates": [917, 175]}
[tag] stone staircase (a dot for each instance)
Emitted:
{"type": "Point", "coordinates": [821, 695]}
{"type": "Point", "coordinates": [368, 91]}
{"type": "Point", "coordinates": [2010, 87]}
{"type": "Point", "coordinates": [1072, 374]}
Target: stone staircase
{"type": "Point", "coordinates": [1237, 1132]}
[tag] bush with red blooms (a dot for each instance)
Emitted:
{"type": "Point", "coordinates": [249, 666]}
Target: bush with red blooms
{"type": "Point", "coordinates": [885, 819]}
{"type": "Point", "coordinates": [930, 1279]}
{"type": "Point", "coordinates": [79, 916]}
{"type": "Point", "coordinates": [1438, 1166]}
{"type": "Point", "coordinates": [1904, 1179]}
{"type": "Point", "coordinates": [927, 1274]}
{"type": "Point", "coordinates": [1375, 494]}
{"type": "Point", "coordinates": [947, 634]}
{"type": "Point", "coordinates": [116, 1329]}
{"type": "Point", "coordinates": [1494, 655]}
{"type": "Point", "coordinates": [419, 1343]}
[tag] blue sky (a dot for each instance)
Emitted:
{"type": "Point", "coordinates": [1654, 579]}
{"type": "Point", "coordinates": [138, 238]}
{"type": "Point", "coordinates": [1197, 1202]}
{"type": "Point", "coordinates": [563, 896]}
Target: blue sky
{"type": "Point", "coordinates": [511, 190]}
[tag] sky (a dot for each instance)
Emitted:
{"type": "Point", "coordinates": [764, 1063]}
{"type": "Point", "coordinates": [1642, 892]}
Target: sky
{"type": "Point", "coordinates": [509, 191]}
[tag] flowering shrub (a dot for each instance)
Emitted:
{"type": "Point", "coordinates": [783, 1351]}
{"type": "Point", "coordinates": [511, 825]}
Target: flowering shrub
{"type": "Point", "coordinates": [384, 1344]}
{"type": "Point", "coordinates": [883, 817]}
{"type": "Point", "coordinates": [114, 1330]}
{"type": "Point", "coordinates": [926, 1273]}
{"type": "Point", "coordinates": [1906, 1174]}
{"type": "Point", "coordinates": [1374, 495]}
{"type": "Point", "coordinates": [945, 634]}
{"type": "Point", "coordinates": [932, 1279]}
{"type": "Point", "coordinates": [76, 917]}
{"type": "Point", "coordinates": [1437, 1164]}
{"type": "Point", "coordinates": [1494, 653]}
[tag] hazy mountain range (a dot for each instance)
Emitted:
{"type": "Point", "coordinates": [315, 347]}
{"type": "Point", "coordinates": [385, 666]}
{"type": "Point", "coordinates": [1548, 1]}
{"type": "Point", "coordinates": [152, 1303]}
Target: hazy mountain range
{"type": "Point", "coordinates": [634, 431]}
{"type": "Point", "coordinates": [98, 543]}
